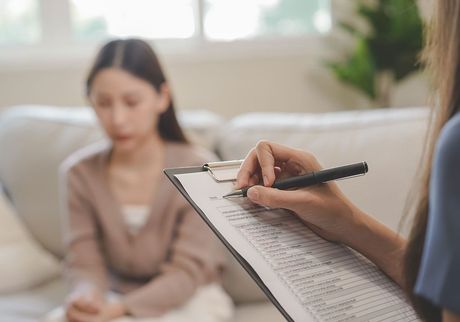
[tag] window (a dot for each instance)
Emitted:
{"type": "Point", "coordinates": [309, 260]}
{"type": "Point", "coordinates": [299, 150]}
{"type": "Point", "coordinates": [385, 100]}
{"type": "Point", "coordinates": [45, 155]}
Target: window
{"type": "Point", "coordinates": [153, 19]}
{"type": "Point", "coordinates": [53, 25]}
{"type": "Point", "coordinates": [19, 22]}
{"type": "Point", "coordinates": [240, 19]}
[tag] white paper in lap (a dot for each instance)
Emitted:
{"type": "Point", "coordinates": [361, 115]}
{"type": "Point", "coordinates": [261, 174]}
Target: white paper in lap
{"type": "Point", "coordinates": [312, 279]}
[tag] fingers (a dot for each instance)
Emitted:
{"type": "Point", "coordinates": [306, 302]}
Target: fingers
{"type": "Point", "coordinates": [278, 172]}
{"type": "Point", "coordinates": [268, 161]}
{"type": "Point", "coordinates": [248, 169]}
{"type": "Point", "coordinates": [255, 179]}
{"type": "Point", "coordinates": [73, 314]}
{"type": "Point", "coordinates": [266, 158]}
{"type": "Point", "coordinates": [263, 159]}
{"type": "Point", "coordinates": [86, 305]}
{"type": "Point", "coordinates": [274, 198]}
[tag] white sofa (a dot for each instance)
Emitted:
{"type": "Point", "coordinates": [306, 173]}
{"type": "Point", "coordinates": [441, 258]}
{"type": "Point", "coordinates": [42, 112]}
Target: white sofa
{"type": "Point", "coordinates": [35, 139]}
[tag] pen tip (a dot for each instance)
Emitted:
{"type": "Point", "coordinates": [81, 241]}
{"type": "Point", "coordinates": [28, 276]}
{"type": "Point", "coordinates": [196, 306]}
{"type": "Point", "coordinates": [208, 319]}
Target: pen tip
{"type": "Point", "coordinates": [232, 194]}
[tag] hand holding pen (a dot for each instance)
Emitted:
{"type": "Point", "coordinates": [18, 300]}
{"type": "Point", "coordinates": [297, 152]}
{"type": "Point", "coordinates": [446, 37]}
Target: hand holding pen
{"type": "Point", "coordinates": [312, 178]}
{"type": "Point", "coordinates": [323, 207]}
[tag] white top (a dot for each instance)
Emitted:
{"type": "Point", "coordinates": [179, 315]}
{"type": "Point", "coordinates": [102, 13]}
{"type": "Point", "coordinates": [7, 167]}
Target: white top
{"type": "Point", "coordinates": [135, 217]}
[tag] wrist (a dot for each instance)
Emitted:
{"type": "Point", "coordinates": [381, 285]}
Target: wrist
{"type": "Point", "coordinates": [383, 246]}
{"type": "Point", "coordinates": [86, 291]}
{"type": "Point", "coordinates": [357, 227]}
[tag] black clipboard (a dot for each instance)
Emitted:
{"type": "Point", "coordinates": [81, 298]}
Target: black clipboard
{"type": "Point", "coordinates": [170, 173]}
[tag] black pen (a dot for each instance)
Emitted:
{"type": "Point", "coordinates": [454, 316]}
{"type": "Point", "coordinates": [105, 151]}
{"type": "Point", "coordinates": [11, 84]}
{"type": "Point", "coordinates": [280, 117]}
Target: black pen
{"type": "Point", "coordinates": [312, 178]}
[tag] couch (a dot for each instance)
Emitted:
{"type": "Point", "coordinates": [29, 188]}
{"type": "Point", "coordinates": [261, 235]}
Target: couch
{"type": "Point", "coordinates": [35, 139]}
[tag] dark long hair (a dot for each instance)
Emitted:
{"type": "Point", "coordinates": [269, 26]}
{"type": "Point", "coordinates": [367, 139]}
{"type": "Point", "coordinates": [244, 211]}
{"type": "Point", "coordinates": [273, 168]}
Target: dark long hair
{"type": "Point", "coordinates": [137, 57]}
{"type": "Point", "coordinates": [442, 54]}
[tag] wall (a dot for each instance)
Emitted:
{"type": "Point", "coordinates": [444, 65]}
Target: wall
{"type": "Point", "coordinates": [228, 81]}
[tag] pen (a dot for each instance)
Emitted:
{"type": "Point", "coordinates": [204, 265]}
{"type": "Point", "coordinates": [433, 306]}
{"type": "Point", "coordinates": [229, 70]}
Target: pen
{"type": "Point", "coordinates": [312, 178]}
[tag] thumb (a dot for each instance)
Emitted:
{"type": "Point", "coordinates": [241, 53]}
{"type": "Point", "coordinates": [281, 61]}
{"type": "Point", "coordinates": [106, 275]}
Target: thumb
{"type": "Point", "coordinates": [275, 198]}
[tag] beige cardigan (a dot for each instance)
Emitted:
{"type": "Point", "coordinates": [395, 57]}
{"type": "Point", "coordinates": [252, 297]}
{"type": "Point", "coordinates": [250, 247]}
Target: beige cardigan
{"type": "Point", "coordinates": [157, 269]}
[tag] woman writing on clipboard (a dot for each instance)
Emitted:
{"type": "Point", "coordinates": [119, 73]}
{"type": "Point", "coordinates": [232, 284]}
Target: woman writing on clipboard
{"type": "Point", "coordinates": [427, 265]}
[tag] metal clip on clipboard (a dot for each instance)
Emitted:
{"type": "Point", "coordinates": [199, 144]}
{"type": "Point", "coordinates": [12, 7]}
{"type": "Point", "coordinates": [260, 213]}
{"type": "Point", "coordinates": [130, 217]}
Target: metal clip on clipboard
{"type": "Point", "coordinates": [224, 170]}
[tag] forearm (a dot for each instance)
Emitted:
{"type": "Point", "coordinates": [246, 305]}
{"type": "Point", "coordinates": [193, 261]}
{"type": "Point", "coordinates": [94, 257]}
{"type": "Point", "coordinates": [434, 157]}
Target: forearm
{"type": "Point", "coordinates": [378, 243]}
{"type": "Point", "coordinates": [163, 293]}
{"type": "Point", "coordinates": [82, 276]}
{"type": "Point", "coordinates": [85, 264]}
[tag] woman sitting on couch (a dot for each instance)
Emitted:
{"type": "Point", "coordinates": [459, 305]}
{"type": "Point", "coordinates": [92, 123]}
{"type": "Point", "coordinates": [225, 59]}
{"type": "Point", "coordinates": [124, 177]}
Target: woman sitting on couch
{"type": "Point", "coordinates": [128, 229]}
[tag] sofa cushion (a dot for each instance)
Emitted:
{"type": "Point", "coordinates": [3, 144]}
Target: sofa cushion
{"type": "Point", "coordinates": [34, 304]}
{"type": "Point", "coordinates": [24, 262]}
{"type": "Point", "coordinates": [390, 140]}
{"type": "Point", "coordinates": [239, 285]}
{"type": "Point", "coordinates": [33, 142]}
{"type": "Point", "coordinates": [258, 312]}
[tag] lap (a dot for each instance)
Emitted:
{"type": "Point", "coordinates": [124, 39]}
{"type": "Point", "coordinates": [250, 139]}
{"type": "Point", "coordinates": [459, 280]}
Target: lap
{"type": "Point", "coordinates": [210, 303]}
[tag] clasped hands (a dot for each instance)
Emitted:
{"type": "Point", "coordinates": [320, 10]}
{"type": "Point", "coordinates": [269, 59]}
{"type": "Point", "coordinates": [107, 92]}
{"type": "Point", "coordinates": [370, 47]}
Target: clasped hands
{"type": "Point", "coordinates": [86, 304]}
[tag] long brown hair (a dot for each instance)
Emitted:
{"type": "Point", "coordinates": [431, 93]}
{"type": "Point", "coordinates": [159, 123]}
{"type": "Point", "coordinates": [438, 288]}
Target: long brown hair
{"type": "Point", "coordinates": [442, 55]}
{"type": "Point", "coordinates": [137, 57]}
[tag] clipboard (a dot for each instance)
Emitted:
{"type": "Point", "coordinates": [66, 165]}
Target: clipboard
{"type": "Point", "coordinates": [171, 172]}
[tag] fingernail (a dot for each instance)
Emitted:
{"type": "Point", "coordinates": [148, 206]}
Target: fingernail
{"type": "Point", "coordinates": [253, 194]}
{"type": "Point", "coordinates": [265, 181]}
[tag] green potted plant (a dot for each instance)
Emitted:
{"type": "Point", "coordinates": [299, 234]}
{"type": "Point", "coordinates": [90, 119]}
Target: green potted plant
{"type": "Point", "coordinates": [386, 53]}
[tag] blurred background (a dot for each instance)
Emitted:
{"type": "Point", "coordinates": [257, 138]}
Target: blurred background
{"type": "Point", "coordinates": [227, 56]}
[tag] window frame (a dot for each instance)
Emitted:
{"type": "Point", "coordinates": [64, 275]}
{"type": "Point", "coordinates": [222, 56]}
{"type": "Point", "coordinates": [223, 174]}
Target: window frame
{"type": "Point", "coordinates": [58, 48]}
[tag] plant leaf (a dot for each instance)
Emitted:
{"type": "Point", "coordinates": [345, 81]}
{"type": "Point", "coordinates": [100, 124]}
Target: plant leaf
{"type": "Point", "coordinates": [358, 70]}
